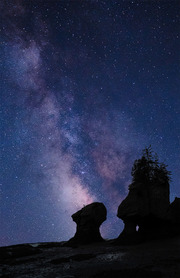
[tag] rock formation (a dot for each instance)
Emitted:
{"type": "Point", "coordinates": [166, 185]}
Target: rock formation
{"type": "Point", "coordinates": [173, 216]}
{"type": "Point", "coordinates": [147, 204]}
{"type": "Point", "coordinates": [174, 211]}
{"type": "Point", "coordinates": [148, 208]}
{"type": "Point", "coordinates": [88, 221]}
{"type": "Point", "coordinates": [144, 204]}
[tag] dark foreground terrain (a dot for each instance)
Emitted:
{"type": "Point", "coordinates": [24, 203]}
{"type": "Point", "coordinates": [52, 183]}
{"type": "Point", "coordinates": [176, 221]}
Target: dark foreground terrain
{"type": "Point", "coordinates": [158, 258]}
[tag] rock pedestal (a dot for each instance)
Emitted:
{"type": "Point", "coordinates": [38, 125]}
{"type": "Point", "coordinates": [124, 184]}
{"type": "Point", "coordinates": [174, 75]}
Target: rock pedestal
{"type": "Point", "coordinates": [88, 221]}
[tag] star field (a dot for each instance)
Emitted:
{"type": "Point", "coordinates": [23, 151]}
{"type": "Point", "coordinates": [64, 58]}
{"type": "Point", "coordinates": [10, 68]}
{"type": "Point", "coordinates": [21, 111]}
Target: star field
{"type": "Point", "coordinates": [85, 86]}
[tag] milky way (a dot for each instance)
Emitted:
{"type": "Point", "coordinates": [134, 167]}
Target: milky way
{"type": "Point", "coordinates": [85, 86]}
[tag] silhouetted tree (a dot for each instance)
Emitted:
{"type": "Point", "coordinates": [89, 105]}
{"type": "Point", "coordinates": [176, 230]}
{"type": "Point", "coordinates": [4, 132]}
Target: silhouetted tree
{"type": "Point", "coordinates": [148, 169]}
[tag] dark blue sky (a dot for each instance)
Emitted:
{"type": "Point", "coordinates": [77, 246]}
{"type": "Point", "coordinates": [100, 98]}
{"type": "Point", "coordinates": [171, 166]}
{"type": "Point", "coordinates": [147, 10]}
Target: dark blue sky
{"type": "Point", "coordinates": [85, 86]}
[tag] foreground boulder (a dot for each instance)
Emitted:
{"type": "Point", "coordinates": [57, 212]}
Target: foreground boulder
{"type": "Point", "coordinates": [88, 221]}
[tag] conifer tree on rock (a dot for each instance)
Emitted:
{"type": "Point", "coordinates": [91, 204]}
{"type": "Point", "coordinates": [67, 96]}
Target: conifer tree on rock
{"type": "Point", "coordinates": [148, 170]}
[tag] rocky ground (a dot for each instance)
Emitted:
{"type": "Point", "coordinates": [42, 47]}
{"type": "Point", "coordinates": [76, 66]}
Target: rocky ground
{"type": "Point", "coordinates": [158, 258]}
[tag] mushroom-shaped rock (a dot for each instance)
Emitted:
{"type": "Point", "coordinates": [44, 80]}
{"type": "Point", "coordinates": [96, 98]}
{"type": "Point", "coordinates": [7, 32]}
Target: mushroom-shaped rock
{"type": "Point", "coordinates": [88, 221]}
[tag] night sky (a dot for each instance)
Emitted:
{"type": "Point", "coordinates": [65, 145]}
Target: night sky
{"type": "Point", "coordinates": [84, 87]}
